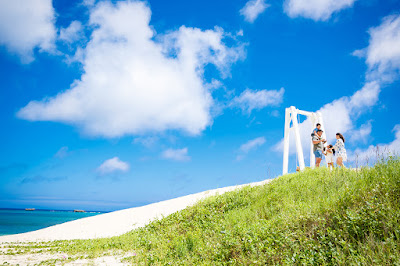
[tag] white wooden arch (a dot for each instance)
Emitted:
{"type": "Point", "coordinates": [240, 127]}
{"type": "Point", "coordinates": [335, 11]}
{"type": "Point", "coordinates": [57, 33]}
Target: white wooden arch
{"type": "Point", "coordinates": [291, 116]}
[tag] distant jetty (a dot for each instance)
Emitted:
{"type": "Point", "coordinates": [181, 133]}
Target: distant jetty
{"type": "Point", "coordinates": [79, 211]}
{"type": "Point", "coordinates": [30, 209]}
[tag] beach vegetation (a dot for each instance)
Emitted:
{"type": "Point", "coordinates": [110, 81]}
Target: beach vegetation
{"type": "Point", "coordinates": [317, 217]}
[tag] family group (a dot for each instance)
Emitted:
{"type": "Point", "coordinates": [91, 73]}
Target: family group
{"type": "Point", "coordinates": [330, 150]}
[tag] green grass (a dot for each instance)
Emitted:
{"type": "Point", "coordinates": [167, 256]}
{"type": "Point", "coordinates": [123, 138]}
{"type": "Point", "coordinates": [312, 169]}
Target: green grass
{"type": "Point", "coordinates": [315, 217]}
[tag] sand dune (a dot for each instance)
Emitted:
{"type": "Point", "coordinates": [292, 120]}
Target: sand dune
{"type": "Point", "coordinates": [118, 222]}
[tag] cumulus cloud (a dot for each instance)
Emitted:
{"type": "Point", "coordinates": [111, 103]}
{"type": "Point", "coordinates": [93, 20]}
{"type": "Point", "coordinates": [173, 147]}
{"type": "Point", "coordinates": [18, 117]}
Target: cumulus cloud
{"type": "Point", "coordinates": [176, 154]}
{"type": "Point", "coordinates": [250, 145]}
{"type": "Point", "coordinates": [72, 33]}
{"type": "Point", "coordinates": [383, 60]}
{"type": "Point", "coordinates": [340, 116]}
{"type": "Point", "coordinates": [250, 100]}
{"type": "Point", "coordinates": [113, 165]}
{"type": "Point", "coordinates": [318, 10]}
{"type": "Point", "coordinates": [27, 25]}
{"type": "Point", "coordinates": [367, 96]}
{"type": "Point", "coordinates": [133, 84]}
{"type": "Point", "coordinates": [253, 9]}
{"type": "Point", "coordinates": [383, 52]}
{"type": "Point", "coordinates": [374, 151]}
{"type": "Point", "coordinates": [362, 134]}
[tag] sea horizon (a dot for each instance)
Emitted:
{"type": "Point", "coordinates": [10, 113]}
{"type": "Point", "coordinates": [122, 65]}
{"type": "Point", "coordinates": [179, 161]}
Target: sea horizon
{"type": "Point", "coordinates": [53, 210]}
{"type": "Point", "coordinates": [17, 220]}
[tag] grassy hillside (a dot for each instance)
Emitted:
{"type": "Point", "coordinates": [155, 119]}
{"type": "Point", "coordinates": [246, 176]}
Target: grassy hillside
{"type": "Point", "coordinates": [314, 217]}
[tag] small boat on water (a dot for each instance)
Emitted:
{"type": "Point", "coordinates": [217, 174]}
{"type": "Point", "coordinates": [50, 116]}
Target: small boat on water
{"type": "Point", "coordinates": [79, 211]}
{"type": "Point", "coordinates": [30, 209]}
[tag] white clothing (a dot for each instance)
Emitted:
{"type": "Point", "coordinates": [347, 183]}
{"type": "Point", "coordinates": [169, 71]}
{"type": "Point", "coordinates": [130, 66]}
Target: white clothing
{"type": "Point", "coordinates": [340, 150]}
{"type": "Point", "coordinates": [329, 157]}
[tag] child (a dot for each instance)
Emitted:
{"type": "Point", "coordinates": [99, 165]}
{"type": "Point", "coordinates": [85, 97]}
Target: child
{"type": "Point", "coordinates": [317, 127]}
{"type": "Point", "coordinates": [329, 152]}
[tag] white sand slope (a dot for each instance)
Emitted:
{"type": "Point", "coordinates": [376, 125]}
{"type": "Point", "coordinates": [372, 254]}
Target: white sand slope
{"type": "Point", "coordinates": [118, 222]}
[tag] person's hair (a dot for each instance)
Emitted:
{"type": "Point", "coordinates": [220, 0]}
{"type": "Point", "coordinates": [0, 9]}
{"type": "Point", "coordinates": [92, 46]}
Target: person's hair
{"type": "Point", "coordinates": [320, 130]}
{"type": "Point", "coordinates": [331, 146]}
{"type": "Point", "coordinates": [318, 124]}
{"type": "Point", "coordinates": [340, 136]}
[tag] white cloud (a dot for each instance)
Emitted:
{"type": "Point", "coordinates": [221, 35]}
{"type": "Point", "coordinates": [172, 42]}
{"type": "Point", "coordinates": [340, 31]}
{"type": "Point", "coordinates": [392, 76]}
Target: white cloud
{"type": "Point", "coordinates": [62, 152]}
{"type": "Point", "coordinates": [148, 142]}
{"type": "Point", "coordinates": [250, 145]}
{"type": "Point", "coordinates": [72, 33]}
{"type": "Point", "coordinates": [275, 113]}
{"type": "Point", "coordinates": [362, 134]}
{"type": "Point", "coordinates": [113, 165]}
{"type": "Point", "coordinates": [250, 100]}
{"type": "Point", "coordinates": [339, 116]}
{"type": "Point", "coordinates": [253, 9]}
{"type": "Point", "coordinates": [359, 53]}
{"type": "Point", "coordinates": [383, 52]}
{"type": "Point", "coordinates": [366, 97]}
{"type": "Point", "coordinates": [26, 25]}
{"type": "Point", "coordinates": [133, 84]}
{"type": "Point", "coordinates": [88, 3]}
{"type": "Point", "coordinates": [315, 9]}
{"type": "Point", "coordinates": [381, 150]}
{"type": "Point", "coordinates": [383, 60]}
{"type": "Point", "coordinates": [176, 154]}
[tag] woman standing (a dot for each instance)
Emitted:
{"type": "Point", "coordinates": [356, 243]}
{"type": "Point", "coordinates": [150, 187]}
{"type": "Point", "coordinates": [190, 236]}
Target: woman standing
{"type": "Point", "coordinates": [341, 151]}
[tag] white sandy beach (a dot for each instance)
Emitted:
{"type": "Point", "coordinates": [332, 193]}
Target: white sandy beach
{"type": "Point", "coordinates": [118, 222]}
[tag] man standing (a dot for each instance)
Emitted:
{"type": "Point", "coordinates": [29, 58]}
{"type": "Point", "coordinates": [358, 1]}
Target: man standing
{"type": "Point", "coordinates": [318, 146]}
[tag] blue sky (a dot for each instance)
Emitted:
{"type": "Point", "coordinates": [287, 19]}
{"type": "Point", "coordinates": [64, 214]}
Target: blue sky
{"type": "Point", "coordinates": [107, 105]}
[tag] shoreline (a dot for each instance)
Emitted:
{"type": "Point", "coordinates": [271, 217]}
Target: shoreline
{"type": "Point", "coordinates": [118, 222]}
{"type": "Point", "coordinates": [49, 210]}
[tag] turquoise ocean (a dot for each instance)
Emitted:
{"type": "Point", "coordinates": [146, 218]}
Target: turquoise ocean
{"type": "Point", "coordinates": [21, 221]}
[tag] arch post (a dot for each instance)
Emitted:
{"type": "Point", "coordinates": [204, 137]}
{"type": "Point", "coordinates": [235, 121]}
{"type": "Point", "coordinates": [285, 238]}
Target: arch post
{"type": "Point", "coordinates": [286, 141]}
{"type": "Point", "coordinates": [291, 115]}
